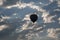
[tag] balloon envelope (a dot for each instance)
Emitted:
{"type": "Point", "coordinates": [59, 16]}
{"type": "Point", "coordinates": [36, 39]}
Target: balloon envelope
{"type": "Point", "coordinates": [33, 17]}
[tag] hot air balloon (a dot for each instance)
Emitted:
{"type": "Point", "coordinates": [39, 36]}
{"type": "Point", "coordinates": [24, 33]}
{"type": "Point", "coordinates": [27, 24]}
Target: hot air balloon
{"type": "Point", "coordinates": [33, 17]}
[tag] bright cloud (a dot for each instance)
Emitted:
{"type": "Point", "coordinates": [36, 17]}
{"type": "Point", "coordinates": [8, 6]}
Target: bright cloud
{"type": "Point", "coordinates": [27, 17]}
{"type": "Point", "coordinates": [1, 2]}
{"type": "Point", "coordinates": [6, 17]}
{"type": "Point", "coordinates": [51, 33]}
{"type": "Point", "coordinates": [3, 27]}
{"type": "Point", "coordinates": [47, 18]}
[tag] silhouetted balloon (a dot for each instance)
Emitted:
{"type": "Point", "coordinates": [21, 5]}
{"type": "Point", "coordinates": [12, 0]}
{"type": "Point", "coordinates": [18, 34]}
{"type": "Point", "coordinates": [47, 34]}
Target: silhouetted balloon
{"type": "Point", "coordinates": [33, 17]}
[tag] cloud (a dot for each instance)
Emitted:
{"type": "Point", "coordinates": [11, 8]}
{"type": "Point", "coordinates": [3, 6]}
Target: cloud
{"type": "Point", "coordinates": [51, 0]}
{"type": "Point", "coordinates": [1, 2]}
{"type": "Point", "coordinates": [59, 20]}
{"type": "Point", "coordinates": [27, 17]}
{"type": "Point", "coordinates": [3, 18]}
{"type": "Point", "coordinates": [47, 17]}
{"type": "Point", "coordinates": [22, 27]}
{"type": "Point", "coordinates": [51, 33]}
{"type": "Point", "coordinates": [6, 17]}
{"type": "Point", "coordinates": [2, 27]}
{"type": "Point", "coordinates": [11, 6]}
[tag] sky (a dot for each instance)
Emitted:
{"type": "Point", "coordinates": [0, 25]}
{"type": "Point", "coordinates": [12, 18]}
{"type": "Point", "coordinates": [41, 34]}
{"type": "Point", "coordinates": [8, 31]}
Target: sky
{"type": "Point", "coordinates": [15, 23]}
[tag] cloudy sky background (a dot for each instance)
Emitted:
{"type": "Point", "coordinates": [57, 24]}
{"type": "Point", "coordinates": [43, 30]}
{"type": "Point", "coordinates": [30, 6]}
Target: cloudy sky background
{"type": "Point", "coordinates": [16, 25]}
